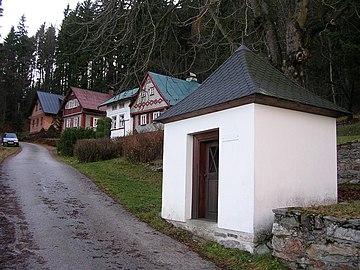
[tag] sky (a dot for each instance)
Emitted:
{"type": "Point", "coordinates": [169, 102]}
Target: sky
{"type": "Point", "coordinates": [36, 12]}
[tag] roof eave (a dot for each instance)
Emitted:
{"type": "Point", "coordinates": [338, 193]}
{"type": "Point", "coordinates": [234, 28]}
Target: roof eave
{"type": "Point", "coordinates": [258, 99]}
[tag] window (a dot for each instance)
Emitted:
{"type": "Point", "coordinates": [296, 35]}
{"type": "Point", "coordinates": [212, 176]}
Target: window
{"type": "Point", "coordinates": [113, 122]}
{"type": "Point", "coordinates": [114, 107]}
{"type": "Point", "coordinates": [121, 121]}
{"type": "Point", "coordinates": [143, 119]}
{"type": "Point", "coordinates": [76, 121]}
{"type": "Point", "coordinates": [143, 94]}
{"type": "Point", "coordinates": [37, 122]}
{"type": "Point", "coordinates": [121, 105]}
{"type": "Point", "coordinates": [95, 122]}
{"type": "Point", "coordinates": [41, 121]}
{"type": "Point", "coordinates": [151, 91]}
{"type": "Point", "coordinates": [155, 115]}
{"type": "Point", "coordinates": [72, 104]}
{"type": "Point", "coordinates": [33, 123]}
{"type": "Point", "coordinates": [68, 123]}
{"type": "Point", "coordinates": [39, 107]}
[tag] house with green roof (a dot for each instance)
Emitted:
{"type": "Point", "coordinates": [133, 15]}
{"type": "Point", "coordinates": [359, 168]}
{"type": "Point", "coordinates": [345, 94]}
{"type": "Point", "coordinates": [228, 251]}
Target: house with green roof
{"type": "Point", "coordinates": [158, 93]}
{"type": "Point", "coordinates": [247, 141]}
{"type": "Point", "coordinates": [118, 110]}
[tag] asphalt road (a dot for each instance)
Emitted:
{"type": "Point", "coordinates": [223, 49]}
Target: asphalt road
{"type": "Point", "coordinates": [53, 217]}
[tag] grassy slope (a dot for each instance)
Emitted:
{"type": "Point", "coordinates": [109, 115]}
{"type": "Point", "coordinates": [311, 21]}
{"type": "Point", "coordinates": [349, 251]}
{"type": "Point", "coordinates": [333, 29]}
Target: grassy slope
{"type": "Point", "coordinates": [348, 133]}
{"type": "Point", "coordinates": [138, 189]}
{"type": "Point", "coordinates": [8, 151]}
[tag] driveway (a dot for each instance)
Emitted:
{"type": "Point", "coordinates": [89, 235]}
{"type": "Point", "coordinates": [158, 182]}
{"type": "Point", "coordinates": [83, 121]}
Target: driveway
{"type": "Point", "coordinates": [53, 217]}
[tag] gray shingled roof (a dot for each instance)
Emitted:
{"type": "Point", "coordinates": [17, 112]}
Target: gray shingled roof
{"type": "Point", "coordinates": [50, 103]}
{"type": "Point", "coordinates": [245, 74]}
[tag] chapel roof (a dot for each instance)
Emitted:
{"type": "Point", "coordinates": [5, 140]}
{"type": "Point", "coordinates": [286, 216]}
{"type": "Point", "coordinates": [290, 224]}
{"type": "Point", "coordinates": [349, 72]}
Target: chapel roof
{"type": "Point", "coordinates": [246, 77]}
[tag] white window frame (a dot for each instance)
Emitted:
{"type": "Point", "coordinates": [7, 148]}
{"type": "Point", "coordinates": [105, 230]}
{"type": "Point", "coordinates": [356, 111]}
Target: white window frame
{"type": "Point", "coordinates": [121, 120]}
{"type": "Point", "coordinates": [121, 105]}
{"type": "Point", "coordinates": [68, 123]}
{"type": "Point", "coordinates": [76, 122]}
{"type": "Point", "coordinates": [155, 115]}
{"type": "Point", "coordinates": [114, 107]}
{"type": "Point", "coordinates": [95, 119]}
{"type": "Point", "coordinates": [72, 104]}
{"type": "Point", "coordinates": [113, 122]}
{"type": "Point", "coordinates": [151, 90]}
{"type": "Point", "coordinates": [143, 120]}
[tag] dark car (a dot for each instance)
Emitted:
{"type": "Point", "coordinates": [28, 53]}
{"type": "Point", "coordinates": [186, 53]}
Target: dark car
{"type": "Point", "coordinates": [9, 139]}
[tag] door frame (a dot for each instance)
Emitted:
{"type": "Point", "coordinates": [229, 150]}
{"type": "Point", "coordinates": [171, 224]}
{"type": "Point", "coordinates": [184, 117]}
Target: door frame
{"type": "Point", "coordinates": [198, 163]}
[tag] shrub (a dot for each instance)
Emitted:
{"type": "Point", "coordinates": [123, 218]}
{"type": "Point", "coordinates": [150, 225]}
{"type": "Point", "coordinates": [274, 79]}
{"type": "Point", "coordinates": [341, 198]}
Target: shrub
{"type": "Point", "coordinates": [103, 128]}
{"type": "Point", "coordinates": [69, 137]}
{"type": "Point", "coordinates": [91, 150]}
{"type": "Point", "coordinates": [143, 147]}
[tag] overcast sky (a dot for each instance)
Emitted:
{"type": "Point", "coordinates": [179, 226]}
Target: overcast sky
{"type": "Point", "coordinates": [36, 12]}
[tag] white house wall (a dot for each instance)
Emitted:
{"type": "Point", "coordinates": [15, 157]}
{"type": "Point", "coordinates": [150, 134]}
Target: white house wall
{"type": "Point", "coordinates": [295, 161]}
{"type": "Point", "coordinates": [125, 110]}
{"type": "Point", "coordinates": [236, 167]}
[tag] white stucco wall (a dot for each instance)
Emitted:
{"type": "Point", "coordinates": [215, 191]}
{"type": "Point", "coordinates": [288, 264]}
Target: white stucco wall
{"type": "Point", "coordinates": [125, 110]}
{"type": "Point", "coordinates": [295, 161]}
{"type": "Point", "coordinates": [269, 158]}
{"type": "Point", "coordinates": [236, 167]}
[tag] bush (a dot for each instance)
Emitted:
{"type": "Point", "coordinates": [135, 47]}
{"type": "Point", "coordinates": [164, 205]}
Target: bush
{"type": "Point", "coordinates": [70, 136]}
{"type": "Point", "coordinates": [91, 150]}
{"type": "Point", "coordinates": [143, 147]}
{"type": "Point", "coordinates": [103, 128]}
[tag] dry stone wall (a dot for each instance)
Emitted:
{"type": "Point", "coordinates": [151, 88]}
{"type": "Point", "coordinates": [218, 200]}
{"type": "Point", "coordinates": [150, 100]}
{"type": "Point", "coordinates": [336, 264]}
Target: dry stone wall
{"type": "Point", "coordinates": [306, 241]}
{"type": "Point", "coordinates": [348, 155]}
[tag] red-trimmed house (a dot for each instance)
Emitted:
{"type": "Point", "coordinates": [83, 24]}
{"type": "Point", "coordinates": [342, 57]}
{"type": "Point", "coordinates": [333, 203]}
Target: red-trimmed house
{"type": "Point", "coordinates": [44, 109]}
{"type": "Point", "coordinates": [156, 94]}
{"type": "Point", "coordinates": [80, 108]}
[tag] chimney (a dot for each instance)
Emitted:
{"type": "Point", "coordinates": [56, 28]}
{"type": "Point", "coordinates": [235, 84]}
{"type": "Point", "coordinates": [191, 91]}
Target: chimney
{"type": "Point", "coordinates": [191, 77]}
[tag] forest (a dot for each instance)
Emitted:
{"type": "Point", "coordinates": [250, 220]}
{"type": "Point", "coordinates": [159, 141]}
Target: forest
{"type": "Point", "coordinates": [111, 44]}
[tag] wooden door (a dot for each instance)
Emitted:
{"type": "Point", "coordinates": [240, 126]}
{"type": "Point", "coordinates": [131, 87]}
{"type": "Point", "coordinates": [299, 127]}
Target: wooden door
{"type": "Point", "coordinates": [205, 175]}
{"type": "Point", "coordinates": [211, 179]}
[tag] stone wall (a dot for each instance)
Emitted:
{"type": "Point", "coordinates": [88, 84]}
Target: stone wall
{"type": "Point", "coordinates": [306, 241]}
{"type": "Point", "coordinates": [348, 162]}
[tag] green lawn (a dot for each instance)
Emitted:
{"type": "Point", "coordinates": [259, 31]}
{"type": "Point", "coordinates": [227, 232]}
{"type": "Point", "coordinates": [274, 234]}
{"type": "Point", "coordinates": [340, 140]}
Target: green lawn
{"type": "Point", "coordinates": [348, 133]}
{"type": "Point", "coordinates": [138, 189]}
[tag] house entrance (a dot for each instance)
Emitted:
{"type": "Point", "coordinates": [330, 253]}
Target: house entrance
{"type": "Point", "coordinates": [205, 175]}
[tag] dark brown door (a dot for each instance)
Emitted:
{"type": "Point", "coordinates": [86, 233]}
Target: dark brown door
{"type": "Point", "coordinates": [205, 178]}
{"type": "Point", "coordinates": [211, 179]}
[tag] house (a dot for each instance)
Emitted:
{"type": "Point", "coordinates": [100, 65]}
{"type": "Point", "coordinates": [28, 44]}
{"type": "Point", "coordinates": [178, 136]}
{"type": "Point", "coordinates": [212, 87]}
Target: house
{"type": "Point", "coordinates": [158, 93]}
{"type": "Point", "coordinates": [80, 108]}
{"type": "Point", "coordinates": [247, 141]}
{"type": "Point", "coordinates": [45, 107]}
{"type": "Point", "coordinates": [118, 109]}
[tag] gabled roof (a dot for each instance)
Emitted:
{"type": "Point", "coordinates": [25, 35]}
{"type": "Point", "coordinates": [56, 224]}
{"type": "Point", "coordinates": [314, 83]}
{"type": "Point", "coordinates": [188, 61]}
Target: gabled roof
{"type": "Point", "coordinates": [173, 89]}
{"type": "Point", "coordinates": [119, 97]}
{"type": "Point", "coordinates": [246, 77]}
{"type": "Point", "coordinates": [88, 99]}
{"type": "Point", "coordinates": [50, 103]}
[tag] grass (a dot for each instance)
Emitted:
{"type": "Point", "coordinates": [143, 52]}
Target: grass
{"type": "Point", "coordinates": [8, 151]}
{"type": "Point", "coordinates": [347, 133]}
{"type": "Point", "coordinates": [346, 210]}
{"type": "Point", "coordinates": [138, 189]}
{"type": "Point", "coordinates": [346, 139]}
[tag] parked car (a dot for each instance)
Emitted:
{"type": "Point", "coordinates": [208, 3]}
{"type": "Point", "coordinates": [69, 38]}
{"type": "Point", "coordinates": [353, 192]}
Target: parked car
{"type": "Point", "coordinates": [9, 139]}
